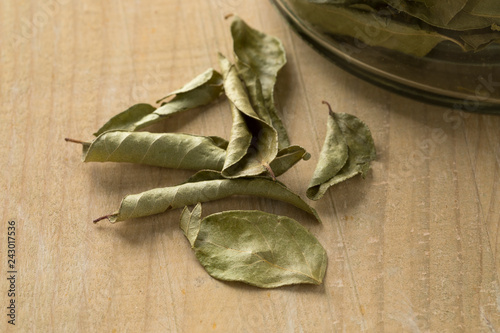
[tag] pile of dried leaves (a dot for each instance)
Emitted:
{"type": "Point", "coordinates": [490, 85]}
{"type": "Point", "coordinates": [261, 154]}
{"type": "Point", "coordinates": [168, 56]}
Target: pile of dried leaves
{"type": "Point", "coordinates": [254, 247]}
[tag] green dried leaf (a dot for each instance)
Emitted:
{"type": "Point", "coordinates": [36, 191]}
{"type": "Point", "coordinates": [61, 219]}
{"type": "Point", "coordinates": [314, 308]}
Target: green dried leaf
{"type": "Point", "coordinates": [257, 248]}
{"type": "Point", "coordinates": [202, 187]}
{"type": "Point", "coordinates": [126, 120]}
{"type": "Point", "coordinates": [253, 144]}
{"type": "Point", "coordinates": [174, 150]}
{"type": "Point", "coordinates": [347, 151]}
{"type": "Point", "coordinates": [259, 59]}
{"type": "Point", "coordinates": [202, 90]}
{"type": "Point", "coordinates": [190, 223]}
{"type": "Point", "coordinates": [487, 8]}
{"type": "Point", "coordinates": [466, 21]}
{"type": "Point", "coordinates": [477, 41]}
{"type": "Point", "coordinates": [435, 12]}
{"type": "Point", "coordinates": [287, 158]}
{"type": "Point", "coordinates": [168, 150]}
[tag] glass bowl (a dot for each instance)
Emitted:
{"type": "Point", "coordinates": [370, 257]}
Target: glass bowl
{"type": "Point", "coordinates": [426, 66]}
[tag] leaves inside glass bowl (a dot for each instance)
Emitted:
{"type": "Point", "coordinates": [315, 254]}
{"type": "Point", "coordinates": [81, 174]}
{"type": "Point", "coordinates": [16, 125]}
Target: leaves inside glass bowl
{"type": "Point", "coordinates": [371, 28]}
{"type": "Point", "coordinates": [411, 27]}
{"type": "Point", "coordinates": [254, 247]}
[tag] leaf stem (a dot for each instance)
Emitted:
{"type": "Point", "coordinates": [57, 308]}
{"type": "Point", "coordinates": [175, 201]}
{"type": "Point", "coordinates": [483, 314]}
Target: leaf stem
{"type": "Point", "coordinates": [74, 141]}
{"type": "Point", "coordinates": [329, 107]}
{"type": "Point", "coordinates": [268, 168]}
{"type": "Point", "coordinates": [102, 218]}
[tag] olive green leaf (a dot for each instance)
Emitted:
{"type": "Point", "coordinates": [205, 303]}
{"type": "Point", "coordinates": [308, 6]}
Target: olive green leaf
{"type": "Point", "coordinates": [190, 223]}
{"type": "Point", "coordinates": [256, 248]}
{"type": "Point", "coordinates": [409, 38]}
{"type": "Point", "coordinates": [466, 20]}
{"type": "Point", "coordinates": [253, 144]}
{"type": "Point", "coordinates": [254, 91]}
{"type": "Point", "coordinates": [332, 158]}
{"type": "Point", "coordinates": [259, 58]}
{"type": "Point", "coordinates": [126, 120]}
{"type": "Point", "coordinates": [174, 150]}
{"type": "Point", "coordinates": [287, 158]}
{"type": "Point", "coordinates": [435, 12]}
{"type": "Point", "coordinates": [202, 187]}
{"type": "Point", "coordinates": [477, 41]}
{"type": "Point", "coordinates": [168, 150]}
{"type": "Point", "coordinates": [488, 8]}
{"type": "Point", "coordinates": [363, 7]}
{"type": "Point", "coordinates": [347, 151]}
{"type": "Point", "coordinates": [202, 90]}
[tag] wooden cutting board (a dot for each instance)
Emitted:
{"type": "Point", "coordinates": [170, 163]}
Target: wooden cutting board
{"type": "Point", "coordinates": [413, 247]}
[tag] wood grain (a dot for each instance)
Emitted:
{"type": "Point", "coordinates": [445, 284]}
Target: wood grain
{"type": "Point", "coordinates": [414, 247]}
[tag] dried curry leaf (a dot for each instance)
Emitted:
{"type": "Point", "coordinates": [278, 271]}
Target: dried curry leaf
{"type": "Point", "coordinates": [202, 187]}
{"type": "Point", "coordinates": [435, 12]}
{"type": "Point", "coordinates": [253, 143]}
{"type": "Point", "coordinates": [126, 119]}
{"type": "Point", "coordinates": [256, 248]}
{"type": "Point", "coordinates": [488, 8]}
{"type": "Point", "coordinates": [190, 223]}
{"type": "Point", "coordinates": [202, 90]}
{"type": "Point", "coordinates": [175, 150]}
{"type": "Point", "coordinates": [254, 90]}
{"type": "Point", "coordinates": [259, 59]}
{"type": "Point", "coordinates": [466, 21]}
{"type": "Point", "coordinates": [287, 158]}
{"type": "Point", "coordinates": [347, 151]}
{"type": "Point", "coordinates": [168, 150]}
{"type": "Point", "coordinates": [477, 41]}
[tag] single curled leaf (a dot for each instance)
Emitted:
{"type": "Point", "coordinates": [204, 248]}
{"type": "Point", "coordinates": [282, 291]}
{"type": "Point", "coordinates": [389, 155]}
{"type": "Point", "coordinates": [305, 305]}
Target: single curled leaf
{"type": "Point", "coordinates": [127, 119]}
{"type": "Point", "coordinates": [168, 150]}
{"type": "Point", "coordinates": [259, 58]}
{"type": "Point", "coordinates": [256, 248]}
{"type": "Point", "coordinates": [174, 150]}
{"type": "Point", "coordinates": [202, 187]}
{"type": "Point", "coordinates": [253, 143]}
{"type": "Point", "coordinates": [202, 90]}
{"type": "Point", "coordinates": [347, 151]}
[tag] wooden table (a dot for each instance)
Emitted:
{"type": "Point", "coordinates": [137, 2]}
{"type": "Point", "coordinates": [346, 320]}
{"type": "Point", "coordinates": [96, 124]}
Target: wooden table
{"type": "Point", "coordinates": [413, 247]}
